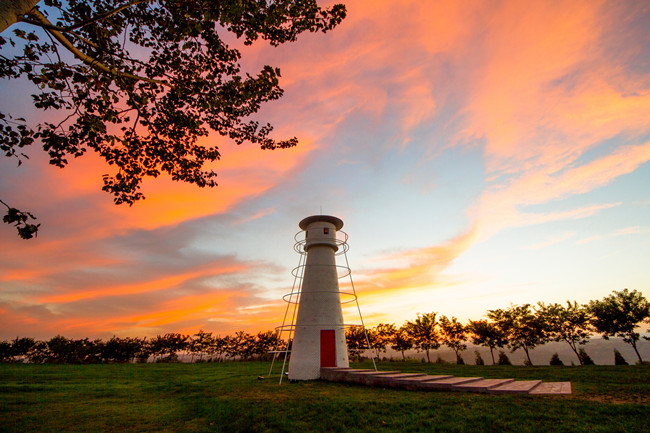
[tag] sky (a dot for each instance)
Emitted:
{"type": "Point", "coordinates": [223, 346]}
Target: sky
{"type": "Point", "coordinates": [480, 154]}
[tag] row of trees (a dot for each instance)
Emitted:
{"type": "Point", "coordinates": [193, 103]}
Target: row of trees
{"type": "Point", "coordinates": [202, 346]}
{"type": "Point", "coordinates": [517, 327]}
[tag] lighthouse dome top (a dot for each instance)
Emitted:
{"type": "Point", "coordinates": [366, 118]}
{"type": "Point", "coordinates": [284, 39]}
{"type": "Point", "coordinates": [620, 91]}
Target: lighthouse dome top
{"type": "Point", "coordinates": [338, 223]}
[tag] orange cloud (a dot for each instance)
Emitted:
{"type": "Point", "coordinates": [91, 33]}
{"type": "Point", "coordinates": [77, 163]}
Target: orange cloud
{"type": "Point", "coordinates": [499, 205]}
{"type": "Point", "coordinates": [185, 308]}
{"type": "Point", "coordinates": [182, 309]}
{"type": "Point", "coordinates": [526, 47]}
{"type": "Point", "coordinates": [142, 287]}
{"type": "Point", "coordinates": [417, 269]}
{"type": "Point", "coordinates": [244, 172]}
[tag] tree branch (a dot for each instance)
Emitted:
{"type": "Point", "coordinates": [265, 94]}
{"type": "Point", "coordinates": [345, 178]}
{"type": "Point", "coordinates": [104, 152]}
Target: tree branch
{"type": "Point", "coordinates": [104, 15]}
{"type": "Point", "coordinates": [50, 26]}
{"type": "Point", "coordinates": [43, 22]}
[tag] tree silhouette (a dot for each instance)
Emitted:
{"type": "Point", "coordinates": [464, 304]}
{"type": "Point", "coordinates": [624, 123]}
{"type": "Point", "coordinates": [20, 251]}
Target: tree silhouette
{"type": "Point", "coordinates": [618, 315]}
{"type": "Point", "coordinates": [555, 360]}
{"type": "Point", "coordinates": [619, 359]}
{"type": "Point", "coordinates": [199, 344]}
{"type": "Point", "coordinates": [5, 351]}
{"type": "Point", "coordinates": [401, 342]}
{"type": "Point", "coordinates": [423, 332]}
{"type": "Point", "coordinates": [20, 347]}
{"type": "Point", "coordinates": [484, 333]}
{"type": "Point", "coordinates": [265, 342]}
{"type": "Point", "coordinates": [524, 329]}
{"type": "Point", "coordinates": [120, 350]}
{"type": "Point", "coordinates": [569, 324]}
{"type": "Point", "coordinates": [382, 335]}
{"type": "Point", "coordinates": [142, 82]}
{"type": "Point", "coordinates": [355, 338]}
{"type": "Point", "coordinates": [453, 336]}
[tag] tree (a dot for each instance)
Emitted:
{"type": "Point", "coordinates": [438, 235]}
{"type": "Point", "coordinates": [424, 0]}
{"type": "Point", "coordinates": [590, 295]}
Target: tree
{"type": "Point", "coordinates": [241, 345]}
{"type": "Point", "coordinates": [423, 332]}
{"type": "Point", "coordinates": [200, 344]}
{"type": "Point", "coordinates": [140, 82]}
{"type": "Point", "coordinates": [453, 336]}
{"type": "Point", "coordinates": [166, 347]}
{"type": "Point", "coordinates": [618, 315]}
{"type": "Point", "coordinates": [569, 324]}
{"type": "Point", "coordinates": [144, 351]}
{"type": "Point", "coordinates": [585, 359]}
{"type": "Point", "coordinates": [484, 333]}
{"type": "Point", "coordinates": [20, 347]}
{"type": "Point", "coordinates": [58, 348]}
{"type": "Point", "coordinates": [120, 349]}
{"type": "Point", "coordinates": [5, 351]}
{"type": "Point", "coordinates": [39, 353]}
{"type": "Point", "coordinates": [218, 348]}
{"type": "Point", "coordinates": [524, 329]}
{"type": "Point", "coordinates": [382, 335]}
{"type": "Point", "coordinates": [266, 342]}
{"type": "Point", "coordinates": [503, 358]}
{"type": "Point", "coordinates": [555, 360]}
{"type": "Point", "coordinates": [619, 359]}
{"type": "Point", "coordinates": [355, 338]}
{"type": "Point", "coordinates": [402, 341]}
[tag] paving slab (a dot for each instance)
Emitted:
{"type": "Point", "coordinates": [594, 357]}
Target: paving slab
{"type": "Point", "coordinates": [390, 379]}
{"type": "Point", "coordinates": [416, 383]}
{"type": "Point", "coordinates": [552, 388]}
{"type": "Point", "coordinates": [336, 374]}
{"type": "Point", "coordinates": [364, 376]}
{"type": "Point", "coordinates": [482, 385]}
{"type": "Point", "coordinates": [517, 387]}
{"type": "Point", "coordinates": [446, 384]}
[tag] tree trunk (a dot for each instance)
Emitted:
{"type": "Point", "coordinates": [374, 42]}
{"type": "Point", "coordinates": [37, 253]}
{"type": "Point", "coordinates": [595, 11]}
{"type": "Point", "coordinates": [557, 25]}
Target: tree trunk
{"type": "Point", "coordinates": [428, 357]}
{"type": "Point", "coordinates": [11, 10]}
{"type": "Point", "coordinates": [492, 355]}
{"type": "Point", "coordinates": [575, 350]}
{"type": "Point", "coordinates": [527, 355]}
{"type": "Point", "coordinates": [637, 352]}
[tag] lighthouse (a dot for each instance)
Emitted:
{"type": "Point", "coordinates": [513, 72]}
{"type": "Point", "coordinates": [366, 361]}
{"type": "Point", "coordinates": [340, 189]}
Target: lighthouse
{"type": "Point", "coordinates": [319, 334]}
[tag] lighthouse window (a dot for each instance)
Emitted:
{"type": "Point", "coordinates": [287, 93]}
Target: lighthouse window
{"type": "Point", "coordinates": [326, 231]}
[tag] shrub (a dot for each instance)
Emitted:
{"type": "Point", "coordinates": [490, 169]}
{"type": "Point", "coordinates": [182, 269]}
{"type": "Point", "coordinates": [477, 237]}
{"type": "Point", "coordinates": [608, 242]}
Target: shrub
{"type": "Point", "coordinates": [478, 360]}
{"type": "Point", "coordinates": [585, 359]}
{"type": "Point", "coordinates": [460, 360]}
{"type": "Point", "coordinates": [439, 360]}
{"type": "Point", "coordinates": [618, 358]}
{"type": "Point", "coordinates": [503, 359]}
{"type": "Point", "coordinates": [555, 360]}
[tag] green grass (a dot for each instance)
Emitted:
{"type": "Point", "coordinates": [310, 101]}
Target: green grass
{"type": "Point", "coordinates": [229, 398]}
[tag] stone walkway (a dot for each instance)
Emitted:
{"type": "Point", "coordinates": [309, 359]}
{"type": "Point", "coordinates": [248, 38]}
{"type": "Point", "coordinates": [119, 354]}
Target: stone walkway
{"type": "Point", "coordinates": [425, 382]}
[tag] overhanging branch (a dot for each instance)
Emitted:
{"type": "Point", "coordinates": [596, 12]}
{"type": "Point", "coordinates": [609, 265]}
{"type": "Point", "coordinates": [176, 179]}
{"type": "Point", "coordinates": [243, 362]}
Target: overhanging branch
{"type": "Point", "coordinates": [42, 21]}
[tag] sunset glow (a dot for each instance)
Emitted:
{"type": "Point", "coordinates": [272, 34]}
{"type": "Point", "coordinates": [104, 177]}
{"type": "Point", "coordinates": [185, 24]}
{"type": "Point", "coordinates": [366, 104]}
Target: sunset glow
{"type": "Point", "coordinates": [479, 153]}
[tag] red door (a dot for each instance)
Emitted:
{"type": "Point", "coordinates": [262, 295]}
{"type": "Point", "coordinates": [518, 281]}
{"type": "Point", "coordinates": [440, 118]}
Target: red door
{"type": "Point", "coordinates": [327, 348]}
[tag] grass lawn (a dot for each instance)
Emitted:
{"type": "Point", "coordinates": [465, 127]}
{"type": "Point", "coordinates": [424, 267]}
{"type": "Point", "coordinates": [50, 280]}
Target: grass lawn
{"type": "Point", "coordinates": [228, 397]}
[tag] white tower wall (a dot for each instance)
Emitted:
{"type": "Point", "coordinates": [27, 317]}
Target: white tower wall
{"type": "Point", "coordinates": [319, 306]}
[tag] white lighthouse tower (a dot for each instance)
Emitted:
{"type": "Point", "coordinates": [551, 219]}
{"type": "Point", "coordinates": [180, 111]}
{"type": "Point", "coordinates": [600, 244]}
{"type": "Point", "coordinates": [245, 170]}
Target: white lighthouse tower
{"type": "Point", "coordinates": [319, 336]}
